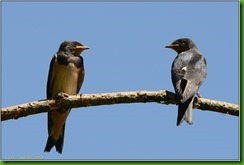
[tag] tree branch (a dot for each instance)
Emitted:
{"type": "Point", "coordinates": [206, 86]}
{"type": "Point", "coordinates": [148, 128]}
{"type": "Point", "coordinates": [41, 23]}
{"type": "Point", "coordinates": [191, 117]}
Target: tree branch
{"type": "Point", "coordinates": [85, 100]}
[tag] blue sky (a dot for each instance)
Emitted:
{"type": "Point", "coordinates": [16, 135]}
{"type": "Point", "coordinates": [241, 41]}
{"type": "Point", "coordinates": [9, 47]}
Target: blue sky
{"type": "Point", "coordinates": [127, 53]}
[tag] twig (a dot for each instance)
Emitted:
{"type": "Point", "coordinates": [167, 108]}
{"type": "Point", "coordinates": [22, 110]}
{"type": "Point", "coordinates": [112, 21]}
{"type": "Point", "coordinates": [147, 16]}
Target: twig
{"type": "Point", "coordinates": [85, 100]}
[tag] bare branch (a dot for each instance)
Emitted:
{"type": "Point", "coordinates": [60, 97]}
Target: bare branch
{"type": "Point", "coordinates": [85, 100]}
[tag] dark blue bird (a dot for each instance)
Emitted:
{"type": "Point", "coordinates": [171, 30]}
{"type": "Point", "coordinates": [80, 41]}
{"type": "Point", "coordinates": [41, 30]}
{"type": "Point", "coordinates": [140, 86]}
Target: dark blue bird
{"type": "Point", "coordinates": [188, 72]}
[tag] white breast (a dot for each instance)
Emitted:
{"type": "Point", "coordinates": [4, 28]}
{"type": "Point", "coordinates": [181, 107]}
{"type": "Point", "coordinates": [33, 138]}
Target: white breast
{"type": "Point", "coordinates": [65, 79]}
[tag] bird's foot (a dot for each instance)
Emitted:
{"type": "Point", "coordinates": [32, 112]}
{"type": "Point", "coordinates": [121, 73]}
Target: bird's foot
{"type": "Point", "coordinates": [62, 95]}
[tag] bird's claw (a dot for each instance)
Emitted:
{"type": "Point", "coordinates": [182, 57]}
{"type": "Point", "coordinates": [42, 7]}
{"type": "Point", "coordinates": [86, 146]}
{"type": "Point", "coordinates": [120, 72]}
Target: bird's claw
{"type": "Point", "coordinates": [62, 95]}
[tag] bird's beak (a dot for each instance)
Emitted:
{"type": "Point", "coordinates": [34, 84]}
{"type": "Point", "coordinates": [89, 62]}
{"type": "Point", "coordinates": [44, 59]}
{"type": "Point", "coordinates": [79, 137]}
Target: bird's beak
{"type": "Point", "coordinates": [82, 47]}
{"type": "Point", "coordinates": [172, 46]}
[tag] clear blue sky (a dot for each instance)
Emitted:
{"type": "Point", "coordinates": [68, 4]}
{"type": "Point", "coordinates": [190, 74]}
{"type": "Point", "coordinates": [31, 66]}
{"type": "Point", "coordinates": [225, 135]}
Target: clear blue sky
{"type": "Point", "coordinates": [127, 53]}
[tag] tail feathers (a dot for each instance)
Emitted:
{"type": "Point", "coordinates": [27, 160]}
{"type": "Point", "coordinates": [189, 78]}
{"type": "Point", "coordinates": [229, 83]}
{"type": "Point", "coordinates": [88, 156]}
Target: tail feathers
{"type": "Point", "coordinates": [185, 111]}
{"type": "Point", "coordinates": [53, 142]}
{"type": "Point", "coordinates": [58, 144]}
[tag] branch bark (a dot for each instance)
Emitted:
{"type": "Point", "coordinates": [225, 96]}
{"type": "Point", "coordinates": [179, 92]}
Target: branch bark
{"type": "Point", "coordinates": [85, 100]}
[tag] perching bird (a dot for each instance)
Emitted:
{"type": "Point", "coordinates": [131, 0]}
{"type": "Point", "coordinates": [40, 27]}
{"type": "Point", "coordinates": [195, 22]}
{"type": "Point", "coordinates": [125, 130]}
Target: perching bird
{"type": "Point", "coordinates": [188, 72]}
{"type": "Point", "coordinates": [66, 75]}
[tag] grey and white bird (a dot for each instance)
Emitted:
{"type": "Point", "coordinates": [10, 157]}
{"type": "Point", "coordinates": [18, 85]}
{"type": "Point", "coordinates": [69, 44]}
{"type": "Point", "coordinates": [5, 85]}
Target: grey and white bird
{"type": "Point", "coordinates": [189, 70]}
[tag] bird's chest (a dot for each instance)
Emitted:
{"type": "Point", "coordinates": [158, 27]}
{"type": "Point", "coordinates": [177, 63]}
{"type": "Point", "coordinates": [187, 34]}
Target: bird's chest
{"type": "Point", "coordinates": [66, 79]}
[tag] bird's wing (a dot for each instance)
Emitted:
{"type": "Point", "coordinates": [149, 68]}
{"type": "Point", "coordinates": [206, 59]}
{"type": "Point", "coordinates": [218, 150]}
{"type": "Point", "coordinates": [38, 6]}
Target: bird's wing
{"type": "Point", "coordinates": [81, 75]}
{"type": "Point", "coordinates": [49, 93]}
{"type": "Point", "coordinates": [197, 69]}
{"type": "Point", "coordinates": [51, 76]}
{"type": "Point", "coordinates": [178, 72]}
{"type": "Point", "coordinates": [195, 76]}
{"type": "Point", "coordinates": [188, 72]}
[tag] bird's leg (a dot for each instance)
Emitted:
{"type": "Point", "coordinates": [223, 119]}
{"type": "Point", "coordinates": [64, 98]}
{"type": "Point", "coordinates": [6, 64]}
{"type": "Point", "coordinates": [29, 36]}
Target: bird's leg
{"type": "Point", "coordinates": [199, 95]}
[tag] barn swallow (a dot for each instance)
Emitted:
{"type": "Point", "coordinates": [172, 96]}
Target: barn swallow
{"type": "Point", "coordinates": [66, 75]}
{"type": "Point", "coordinates": [189, 70]}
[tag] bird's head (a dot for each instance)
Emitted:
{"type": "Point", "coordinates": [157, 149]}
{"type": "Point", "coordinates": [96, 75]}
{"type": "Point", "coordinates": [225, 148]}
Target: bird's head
{"type": "Point", "coordinates": [72, 47]}
{"type": "Point", "coordinates": [182, 44]}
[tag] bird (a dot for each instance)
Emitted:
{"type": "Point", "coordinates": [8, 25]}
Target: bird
{"type": "Point", "coordinates": [65, 77]}
{"type": "Point", "coordinates": [188, 71]}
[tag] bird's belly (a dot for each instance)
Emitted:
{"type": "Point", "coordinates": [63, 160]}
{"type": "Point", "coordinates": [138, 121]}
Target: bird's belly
{"type": "Point", "coordinates": [66, 80]}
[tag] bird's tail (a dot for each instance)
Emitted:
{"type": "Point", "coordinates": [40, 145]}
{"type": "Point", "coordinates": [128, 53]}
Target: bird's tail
{"type": "Point", "coordinates": [185, 111]}
{"type": "Point", "coordinates": [57, 143]}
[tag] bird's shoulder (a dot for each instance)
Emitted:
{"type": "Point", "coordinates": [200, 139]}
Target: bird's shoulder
{"type": "Point", "coordinates": [66, 59]}
{"type": "Point", "coordinates": [188, 65]}
{"type": "Point", "coordinates": [190, 59]}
